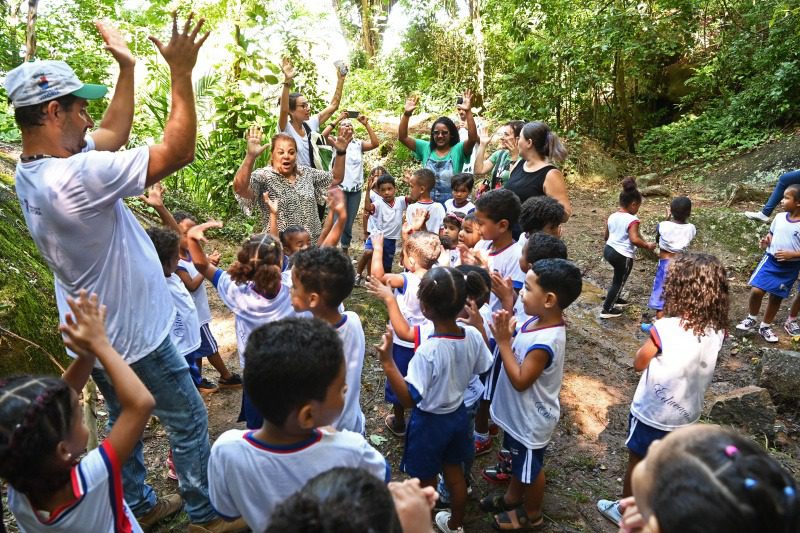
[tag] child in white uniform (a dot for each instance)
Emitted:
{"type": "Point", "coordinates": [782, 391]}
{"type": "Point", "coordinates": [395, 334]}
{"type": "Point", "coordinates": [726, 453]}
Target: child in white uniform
{"type": "Point", "coordinates": [461, 185]}
{"type": "Point", "coordinates": [678, 359]}
{"type": "Point", "coordinates": [422, 182]}
{"type": "Point", "coordinates": [388, 214]}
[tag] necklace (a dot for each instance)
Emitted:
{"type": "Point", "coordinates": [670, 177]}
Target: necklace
{"type": "Point", "coordinates": [34, 157]}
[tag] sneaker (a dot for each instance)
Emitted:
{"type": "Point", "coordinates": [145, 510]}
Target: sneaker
{"type": "Point", "coordinates": [442, 518]}
{"type": "Point", "coordinates": [207, 387]}
{"type": "Point", "coordinates": [767, 334]}
{"type": "Point", "coordinates": [219, 525]}
{"type": "Point", "coordinates": [747, 324]}
{"type": "Point", "coordinates": [613, 313]}
{"type": "Point", "coordinates": [621, 302]}
{"type": "Point", "coordinates": [498, 474]}
{"type": "Point", "coordinates": [163, 509]}
{"type": "Point", "coordinates": [235, 381]}
{"type": "Point", "coordinates": [792, 328]}
{"type": "Point", "coordinates": [756, 215]}
{"type": "Point", "coordinates": [610, 510]}
{"type": "Point", "coordinates": [482, 446]}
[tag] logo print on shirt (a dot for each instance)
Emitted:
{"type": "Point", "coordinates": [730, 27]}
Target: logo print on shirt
{"type": "Point", "coordinates": [33, 210]}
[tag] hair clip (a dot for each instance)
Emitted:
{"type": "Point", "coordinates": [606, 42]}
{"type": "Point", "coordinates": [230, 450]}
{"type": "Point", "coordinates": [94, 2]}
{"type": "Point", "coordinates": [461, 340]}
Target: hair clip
{"type": "Point", "coordinates": [750, 483]}
{"type": "Point", "coordinates": [731, 450]}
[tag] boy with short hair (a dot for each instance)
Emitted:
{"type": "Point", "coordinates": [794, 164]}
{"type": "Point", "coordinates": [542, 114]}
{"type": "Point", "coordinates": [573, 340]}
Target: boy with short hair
{"type": "Point", "coordinates": [321, 280]}
{"type": "Point", "coordinates": [388, 216]}
{"type": "Point", "coordinates": [295, 377]}
{"type": "Point", "coordinates": [421, 184]}
{"type": "Point", "coordinates": [461, 185]}
{"type": "Point", "coordinates": [527, 405]}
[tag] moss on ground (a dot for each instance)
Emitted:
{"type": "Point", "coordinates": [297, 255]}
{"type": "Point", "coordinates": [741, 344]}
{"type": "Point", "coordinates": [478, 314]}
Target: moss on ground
{"type": "Point", "coordinates": [27, 303]}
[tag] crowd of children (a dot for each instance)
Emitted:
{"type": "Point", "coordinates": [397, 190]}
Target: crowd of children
{"type": "Point", "coordinates": [476, 344]}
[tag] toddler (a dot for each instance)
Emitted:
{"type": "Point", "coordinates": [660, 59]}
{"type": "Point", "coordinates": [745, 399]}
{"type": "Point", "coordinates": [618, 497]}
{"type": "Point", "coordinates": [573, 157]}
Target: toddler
{"type": "Point", "coordinates": [451, 227]}
{"type": "Point", "coordinates": [470, 234]}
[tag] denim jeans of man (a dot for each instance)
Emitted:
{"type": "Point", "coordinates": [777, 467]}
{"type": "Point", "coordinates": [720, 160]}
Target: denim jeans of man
{"type": "Point", "coordinates": [352, 202]}
{"type": "Point", "coordinates": [790, 178]}
{"type": "Point", "coordinates": [181, 410]}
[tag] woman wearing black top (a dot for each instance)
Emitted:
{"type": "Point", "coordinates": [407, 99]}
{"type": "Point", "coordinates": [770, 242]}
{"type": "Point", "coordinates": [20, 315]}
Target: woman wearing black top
{"type": "Point", "coordinates": [535, 175]}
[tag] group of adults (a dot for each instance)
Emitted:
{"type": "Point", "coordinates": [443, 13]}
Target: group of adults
{"type": "Point", "coordinates": [297, 178]}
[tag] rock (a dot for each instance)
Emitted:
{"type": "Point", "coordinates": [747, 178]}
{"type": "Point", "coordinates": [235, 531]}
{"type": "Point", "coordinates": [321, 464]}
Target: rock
{"type": "Point", "coordinates": [742, 192]}
{"type": "Point", "coordinates": [780, 373]}
{"type": "Point", "coordinates": [647, 180]}
{"type": "Point", "coordinates": [749, 408]}
{"type": "Point", "coordinates": [656, 190]}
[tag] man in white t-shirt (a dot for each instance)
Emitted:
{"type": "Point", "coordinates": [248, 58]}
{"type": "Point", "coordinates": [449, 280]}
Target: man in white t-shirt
{"type": "Point", "coordinates": [71, 186]}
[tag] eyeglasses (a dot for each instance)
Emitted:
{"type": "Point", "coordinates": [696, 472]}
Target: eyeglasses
{"type": "Point", "coordinates": [441, 133]}
{"type": "Point", "coordinates": [304, 105]}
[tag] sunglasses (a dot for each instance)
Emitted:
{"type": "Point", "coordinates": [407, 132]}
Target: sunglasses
{"type": "Point", "coordinates": [441, 133]}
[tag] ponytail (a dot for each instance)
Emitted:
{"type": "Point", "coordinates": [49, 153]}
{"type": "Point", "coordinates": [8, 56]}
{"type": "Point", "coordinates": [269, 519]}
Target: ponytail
{"type": "Point", "coordinates": [630, 193]}
{"type": "Point", "coordinates": [546, 143]}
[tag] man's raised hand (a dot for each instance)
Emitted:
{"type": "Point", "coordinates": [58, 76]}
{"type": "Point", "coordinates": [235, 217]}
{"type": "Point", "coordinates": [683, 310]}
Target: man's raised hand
{"type": "Point", "coordinates": [115, 44]}
{"type": "Point", "coordinates": [180, 52]}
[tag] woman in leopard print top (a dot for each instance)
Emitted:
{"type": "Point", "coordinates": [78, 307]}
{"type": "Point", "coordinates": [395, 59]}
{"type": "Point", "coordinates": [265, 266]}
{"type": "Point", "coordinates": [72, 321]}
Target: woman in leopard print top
{"type": "Point", "coordinates": [296, 187]}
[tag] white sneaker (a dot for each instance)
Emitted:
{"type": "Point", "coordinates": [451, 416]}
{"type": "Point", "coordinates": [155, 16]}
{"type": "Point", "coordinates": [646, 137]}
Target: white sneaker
{"type": "Point", "coordinates": [792, 328]}
{"type": "Point", "coordinates": [610, 510]}
{"type": "Point", "coordinates": [767, 334]}
{"type": "Point", "coordinates": [756, 215]}
{"type": "Point", "coordinates": [747, 324]}
{"type": "Point", "coordinates": [442, 517]}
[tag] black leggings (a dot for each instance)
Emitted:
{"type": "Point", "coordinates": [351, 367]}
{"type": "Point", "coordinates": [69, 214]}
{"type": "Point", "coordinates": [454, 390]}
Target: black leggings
{"type": "Point", "coordinates": [622, 268]}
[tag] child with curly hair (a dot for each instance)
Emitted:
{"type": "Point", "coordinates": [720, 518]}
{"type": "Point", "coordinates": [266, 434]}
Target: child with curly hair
{"type": "Point", "coordinates": [678, 358]}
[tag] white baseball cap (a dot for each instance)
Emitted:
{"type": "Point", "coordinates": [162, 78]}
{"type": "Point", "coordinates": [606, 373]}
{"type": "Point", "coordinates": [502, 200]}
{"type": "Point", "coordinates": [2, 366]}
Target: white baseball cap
{"type": "Point", "coordinates": [35, 82]}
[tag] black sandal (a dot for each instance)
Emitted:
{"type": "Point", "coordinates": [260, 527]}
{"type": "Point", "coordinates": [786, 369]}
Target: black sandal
{"type": "Point", "coordinates": [520, 521]}
{"type": "Point", "coordinates": [496, 503]}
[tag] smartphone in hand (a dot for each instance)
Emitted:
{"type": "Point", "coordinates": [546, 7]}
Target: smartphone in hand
{"type": "Point", "coordinates": [353, 114]}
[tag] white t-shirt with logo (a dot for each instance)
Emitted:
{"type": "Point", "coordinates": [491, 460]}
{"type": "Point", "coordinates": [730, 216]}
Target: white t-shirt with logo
{"type": "Point", "coordinates": [199, 295]}
{"type": "Point", "coordinates": [249, 478]}
{"type": "Point", "coordinates": [251, 308]}
{"type": "Point", "coordinates": [444, 365]}
{"type": "Point", "coordinates": [353, 167]}
{"type": "Point", "coordinates": [671, 389]}
{"type": "Point", "coordinates": [352, 335]}
{"type": "Point", "coordinates": [530, 416]}
{"type": "Point", "coordinates": [785, 234]}
{"type": "Point", "coordinates": [302, 142]}
{"type": "Point", "coordinates": [435, 215]}
{"type": "Point", "coordinates": [506, 263]}
{"type": "Point", "coordinates": [618, 238]}
{"type": "Point", "coordinates": [674, 237]}
{"type": "Point", "coordinates": [389, 216]}
{"type": "Point", "coordinates": [90, 240]}
{"type": "Point", "coordinates": [466, 209]}
{"type": "Point", "coordinates": [185, 332]}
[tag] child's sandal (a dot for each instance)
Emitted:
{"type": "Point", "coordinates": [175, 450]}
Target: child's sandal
{"type": "Point", "coordinates": [495, 503]}
{"type": "Point", "coordinates": [517, 520]}
{"type": "Point", "coordinates": [390, 423]}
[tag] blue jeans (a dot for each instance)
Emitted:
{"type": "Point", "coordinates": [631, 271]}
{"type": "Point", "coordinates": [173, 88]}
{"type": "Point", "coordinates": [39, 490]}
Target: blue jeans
{"type": "Point", "coordinates": [790, 178]}
{"type": "Point", "coordinates": [183, 413]}
{"type": "Point", "coordinates": [352, 201]}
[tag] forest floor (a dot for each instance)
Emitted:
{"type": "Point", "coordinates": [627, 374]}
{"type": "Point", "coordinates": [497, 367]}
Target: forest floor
{"type": "Point", "coordinates": [586, 458]}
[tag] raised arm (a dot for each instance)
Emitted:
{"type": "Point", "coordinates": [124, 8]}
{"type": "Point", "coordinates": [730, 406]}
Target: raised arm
{"type": "Point", "coordinates": [373, 137]}
{"type": "Point", "coordinates": [332, 231]}
{"type": "Point", "coordinates": [115, 128]}
{"type": "Point", "coordinates": [180, 132]}
{"type": "Point", "coordinates": [402, 131]}
{"type": "Point", "coordinates": [241, 181]}
{"type": "Point", "coordinates": [472, 130]}
{"type": "Point", "coordinates": [326, 113]}
{"type": "Point", "coordinates": [399, 323]}
{"type": "Point", "coordinates": [483, 165]}
{"type": "Point", "coordinates": [195, 237]}
{"type": "Point", "coordinates": [288, 77]}
{"type": "Point", "coordinates": [155, 199]}
{"type": "Point", "coordinates": [85, 332]}
{"type": "Point", "coordinates": [272, 205]}
{"type": "Point", "coordinates": [340, 144]}
{"type": "Point", "coordinates": [556, 187]}
{"type": "Point", "coordinates": [393, 375]}
{"type": "Point", "coordinates": [326, 133]}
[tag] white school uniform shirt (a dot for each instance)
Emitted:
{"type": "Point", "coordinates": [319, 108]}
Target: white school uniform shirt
{"type": "Point", "coordinates": [506, 263]}
{"type": "Point", "coordinates": [199, 295]}
{"type": "Point", "coordinates": [90, 240]}
{"type": "Point", "coordinates": [389, 216]}
{"type": "Point", "coordinates": [466, 209]}
{"type": "Point", "coordinates": [435, 212]}
{"type": "Point", "coordinates": [185, 332]}
{"type": "Point", "coordinates": [250, 308]}
{"type": "Point", "coordinates": [785, 234]}
{"type": "Point", "coordinates": [249, 478]}
{"type": "Point", "coordinates": [618, 238]}
{"type": "Point", "coordinates": [408, 302]}
{"type": "Point", "coordinates": [443, 367]}
{"type": "Point", "coordinates": [352, 335]}
{"type": "Point", "coordinates": [530, 416]}
{"type": "Point", "coordinates": [98, 506]}
{"type": "Point", "coordinates": [674, 237]}
{"type": "Point", "coordinates": [373, 198]}
{"type": "Point", "coordinates": [302, 142]}
{"type": "Point", "coordinates": [671, 389]}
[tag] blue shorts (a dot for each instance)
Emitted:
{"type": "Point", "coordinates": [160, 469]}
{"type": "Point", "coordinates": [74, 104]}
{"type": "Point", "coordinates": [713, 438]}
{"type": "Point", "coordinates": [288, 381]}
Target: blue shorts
{"type": "Point", "coordinates": [656, 298]}
{"type": "Point", "coordinates": [641, 436]}
{"type": "Point", "coordinates": [389, 248]}
{"type": "Point", "coordinates": [402, 356]}
{"type": "Point", "coordinates": [208, 344]}
{"type": "Point", "coordinates": [775, 277]}
{"type": "Point", "coordinates": [249, 414]}
{"type": "Point", "coordinates": [434, 440]}
{"type": "Point", "coordinates": [491, 376]}
{"type": "Point", "coordinates": [525, 463]}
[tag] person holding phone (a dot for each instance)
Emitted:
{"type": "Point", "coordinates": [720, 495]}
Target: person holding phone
{"type": "Point", "coordinates": [353, 182]}
{"type": "Point", "coordinates": [445, 155]}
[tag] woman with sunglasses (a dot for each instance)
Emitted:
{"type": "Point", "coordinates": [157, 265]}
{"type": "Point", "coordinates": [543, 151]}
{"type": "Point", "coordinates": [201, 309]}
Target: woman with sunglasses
{"type": "Point", "coordinates": [444, 154]}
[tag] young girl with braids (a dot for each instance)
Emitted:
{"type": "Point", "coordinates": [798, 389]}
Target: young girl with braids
{"type": "Point", "coordinates": [704, 478]}
{"type": "Point", "coordinates": [438, 436]}
{"type": "Point", "coordinates": [251, 289]}
{"type": "Point", "coordinates": [678, 358]}
{"type": "Point", "coordinates": [42, 436]}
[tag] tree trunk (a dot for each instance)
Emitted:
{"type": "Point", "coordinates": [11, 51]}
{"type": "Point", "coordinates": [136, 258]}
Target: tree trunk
{"type": "Point", "coordinates": [30, 31]}
{"type": "Point", "coordinates": [367, 30]}
{"type": "Point", "coordinates": [480, 48]}
{"type": "Point", "coordinates": [621, 97]}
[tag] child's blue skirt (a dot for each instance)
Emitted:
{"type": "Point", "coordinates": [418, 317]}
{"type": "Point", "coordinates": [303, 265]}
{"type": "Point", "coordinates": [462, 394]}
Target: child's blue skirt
{"type": "Point", "coordinates": [775, 277]}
